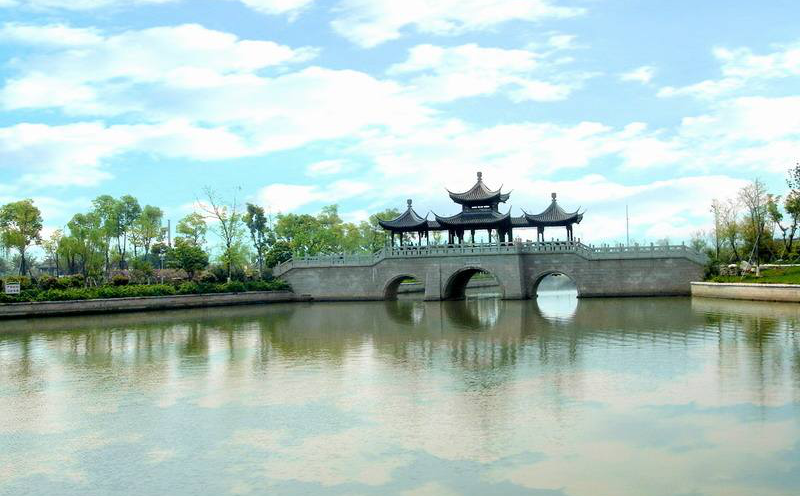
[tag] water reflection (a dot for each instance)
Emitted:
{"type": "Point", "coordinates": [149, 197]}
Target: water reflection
{"type": "Point", "coordinates": [481, 396]}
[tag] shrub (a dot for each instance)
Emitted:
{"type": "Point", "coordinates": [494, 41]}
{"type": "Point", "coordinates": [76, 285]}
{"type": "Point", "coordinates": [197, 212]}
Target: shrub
{"type": "Point", "coordinates": [234, 287]}
{"type": "Point", "coordinates": [190, 288]}
{"type": "Point", "coordinates": [48, 282]}
{"type": "Point", "coordinates": [207, 278]}
{"type": "Point", "coordinates": [120, 280]}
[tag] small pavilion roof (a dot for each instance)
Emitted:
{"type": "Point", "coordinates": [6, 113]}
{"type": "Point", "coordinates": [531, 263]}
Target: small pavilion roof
{"type": "Point", "coordinates": [479, 194]}
{"type": "Point", "coordinates": [407, 221]}
{"type": "Point", "coordinates": [477, 218]}
{"type": "Point", "coordinates": [554, 215]}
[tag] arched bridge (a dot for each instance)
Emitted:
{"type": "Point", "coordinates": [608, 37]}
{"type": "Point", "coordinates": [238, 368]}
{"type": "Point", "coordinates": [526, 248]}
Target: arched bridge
{"type": "Point", "coordinates": [518, 268]}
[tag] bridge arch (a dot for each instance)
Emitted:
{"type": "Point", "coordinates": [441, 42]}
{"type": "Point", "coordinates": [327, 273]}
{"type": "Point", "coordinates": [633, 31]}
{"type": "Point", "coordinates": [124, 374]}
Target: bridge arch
{"type": "Point", "coordinates": [456, 285]}
{"type": "Point", "coordinates": [391, 287]}
{"type": "Point", "coordinates": [533, 290]}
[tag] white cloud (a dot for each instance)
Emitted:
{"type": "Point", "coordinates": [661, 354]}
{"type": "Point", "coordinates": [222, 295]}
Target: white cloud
{"type": "Point", "coordinates": [325, 167]}
{"type": "Point", "coordinates": [643, 74]}
{"type": "Point", "coordinates": [740, 69]}
{"type": "Point", "coordinates": [370, 23]}
{"type": "Point", "coordinates": [262, 6]}
{"type": "Point", "coordinates": [289, 197]}
{"type": "Point", "coordinates": [196, 93]}
{"type": "Point", "coordinates": [440, 74]}
{"type": "Point", "coordinates": [277, 6]}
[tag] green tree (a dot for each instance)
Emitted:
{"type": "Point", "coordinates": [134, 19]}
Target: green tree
{"type": "Point", "coordinates": [147, 227]}
{"type": "Point", "coordinates": [20, 228]}
{"type": "Point", "coordinates": [280, 252]}
{"type": "Point", "coordinates": [50, 247]}
{"type": "Point", "coordinates": [87, 233]}
{"type": "Point", "coordinates": [193, 228]}
{"type": "Point", "coordinates": [189, 257]}
{"type": "Point", "coordinates": [755, 199]}
{"type": "Point", "coordinates": [228, 226]}
{"type": "Point", "coordinates": [260, 233]}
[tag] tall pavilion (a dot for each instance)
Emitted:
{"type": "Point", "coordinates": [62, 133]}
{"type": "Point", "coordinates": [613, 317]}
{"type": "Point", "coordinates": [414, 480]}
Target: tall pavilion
{"type": "Point", "coordinates": [480, 209]}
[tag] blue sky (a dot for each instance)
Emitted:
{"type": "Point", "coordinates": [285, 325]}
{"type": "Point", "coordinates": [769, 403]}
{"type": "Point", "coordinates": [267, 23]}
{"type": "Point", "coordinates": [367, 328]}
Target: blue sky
{"type": "Point", "coordinates": [364, 103]}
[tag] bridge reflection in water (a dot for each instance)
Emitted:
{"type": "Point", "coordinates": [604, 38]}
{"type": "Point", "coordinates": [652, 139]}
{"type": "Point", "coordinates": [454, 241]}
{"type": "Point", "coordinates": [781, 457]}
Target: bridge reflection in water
{"type": "Point", "coordinates": [480, 396]}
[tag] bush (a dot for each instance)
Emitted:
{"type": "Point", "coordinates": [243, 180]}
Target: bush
{"type": "Point", "coordinates": [234, 287]}
{"type": "Point", "coordinates": [120, 280]}
{"type": "Point", "coordinates": [190, 288]}
{"type": "Point", "coordinates": [48, 282]}
{"type": "Point", "coordinates": [207, 278]}
{"type": "Point", "coordinates": [25, 282]}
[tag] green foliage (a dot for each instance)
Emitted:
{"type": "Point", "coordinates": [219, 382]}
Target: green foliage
{"type": "Point", "coordinates": [778, 275]}
{"type": "Point", "coordinates": [193, 228]}
{"type": "Point", "coordinates": [189, 257]}
{"type": "Point", "coordinates": [280, 252]}
{"type": "Point", "coordinates": [260, 233]}
{"type": "Point", "coordinates": [120, 280]}
{"type": "Point", "coordinates": [20, 227]}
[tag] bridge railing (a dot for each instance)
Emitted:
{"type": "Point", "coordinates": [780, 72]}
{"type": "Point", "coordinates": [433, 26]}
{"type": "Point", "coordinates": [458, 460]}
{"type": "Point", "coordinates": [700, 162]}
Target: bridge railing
{"type": "Point", "coordinates": [603, 252]}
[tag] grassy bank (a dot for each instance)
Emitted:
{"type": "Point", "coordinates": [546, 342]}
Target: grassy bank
{"type": "Point", "coordinates": [135, 290]}
{"type": "Point", "coordinates": [783, 275]}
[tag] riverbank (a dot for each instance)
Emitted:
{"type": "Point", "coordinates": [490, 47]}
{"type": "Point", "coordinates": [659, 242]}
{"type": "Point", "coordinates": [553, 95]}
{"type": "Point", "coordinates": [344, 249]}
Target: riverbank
{"type": "Point", "coordinates": [747, 291]}
{"type": "Point", "coordinates": [144, 303]}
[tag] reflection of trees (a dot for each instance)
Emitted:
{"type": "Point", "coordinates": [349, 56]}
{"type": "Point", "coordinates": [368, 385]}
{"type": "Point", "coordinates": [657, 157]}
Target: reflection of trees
{"type": "Point", "coordinates": [483, 340]}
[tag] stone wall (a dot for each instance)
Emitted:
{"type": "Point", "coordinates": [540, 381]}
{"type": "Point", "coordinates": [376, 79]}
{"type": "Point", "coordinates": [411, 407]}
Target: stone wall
{"type": "Point", "coordinates": [745, 291]}
{"type": "Point", "coordinates": [47, 308]}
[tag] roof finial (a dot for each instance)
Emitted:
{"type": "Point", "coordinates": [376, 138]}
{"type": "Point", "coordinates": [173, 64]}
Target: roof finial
{"type": "Point", "coordinates": [409, 202]}
{"type": "Point", "coordinates": [480, 176]}
{"type": "Point", "coordinates": [554, 196]}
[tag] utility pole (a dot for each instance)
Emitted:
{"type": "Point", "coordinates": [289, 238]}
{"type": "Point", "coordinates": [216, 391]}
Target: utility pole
{"type": "Point", "coordinates": [627, 227]}
{"type": "Point", "coordinates": [169, 232]}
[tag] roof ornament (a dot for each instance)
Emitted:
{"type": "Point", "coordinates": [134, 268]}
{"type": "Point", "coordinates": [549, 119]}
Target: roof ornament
{"type": "Point", "coordinates": [409, 202]}
{"type": "Point", "coordinates": [480, 176]}
{"type": "Point", "coordinates": [554, 196]}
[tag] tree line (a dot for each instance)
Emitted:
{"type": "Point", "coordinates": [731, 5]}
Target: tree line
{"type": "Point", "coordinates": [754, 225]}
{"type": "Point", "coordinates": [118, 237]}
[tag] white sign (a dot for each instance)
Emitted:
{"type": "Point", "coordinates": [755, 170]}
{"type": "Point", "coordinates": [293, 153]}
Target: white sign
{"type": "Point", "coordinates": [12, 288]}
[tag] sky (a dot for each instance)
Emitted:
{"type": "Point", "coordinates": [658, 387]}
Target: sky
{"type": "Point", "coordinates": [296, 104]}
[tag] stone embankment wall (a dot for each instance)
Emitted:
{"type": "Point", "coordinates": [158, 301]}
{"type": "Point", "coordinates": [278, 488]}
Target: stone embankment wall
{"type": "Point", "coordinates": [110, 305]}
{"type": "Point", "coordinates": [745, 291]}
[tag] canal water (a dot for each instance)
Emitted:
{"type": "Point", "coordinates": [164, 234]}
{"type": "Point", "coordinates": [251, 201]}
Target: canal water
{"type": "Point", "coordinates": [555, 396]}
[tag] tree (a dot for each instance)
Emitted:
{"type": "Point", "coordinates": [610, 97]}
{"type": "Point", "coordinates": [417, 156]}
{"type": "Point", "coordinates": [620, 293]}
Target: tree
{"type": "Point", "coordinates": [128, 211]}
{"type": "Point", "coordinates": [729, 217]}
{"type": "Point", "coordinates": [717, 236]}
{"type": "Point", "coordinates": [189, 257]}
{"type": "Point", "coordinates": [147, 227]}
{"type": "Point", "coordinates": [260, 233]}
{"type": "Point", "coordinates": [87, 234]}
{"type": "Point", "coordinates": [193, 228]}
{"type": "Point", "coordinates": [755, 199]}
{"type": "Point", "coordinates": [50, 247]}
{"type": "Point", "coordinates": [280, 252]}
{"type": "Point", "coordinates": [791, 205]}
{"type": "Point", "coordinates": [227, 226]}
{"type": "Point", "coordinates": [20, 228]}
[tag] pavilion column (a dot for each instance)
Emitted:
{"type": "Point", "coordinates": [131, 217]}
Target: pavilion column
{"type": "Point", "coordinates": [510, 234]}
{"type": "Point", "coordinates": [427, 238]}
{"type": "Point", "coordinates": [490, 234]}
{"type": "Point", "coordinates": [472, 232]}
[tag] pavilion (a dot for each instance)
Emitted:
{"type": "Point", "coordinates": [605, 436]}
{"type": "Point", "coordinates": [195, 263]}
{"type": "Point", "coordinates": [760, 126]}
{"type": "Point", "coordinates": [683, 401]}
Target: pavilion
{"type": "Point", "coordinates": [480, 209]}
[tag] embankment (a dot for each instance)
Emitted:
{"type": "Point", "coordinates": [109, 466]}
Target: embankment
{"type": "Point", "coordinates": [747, 291]}
{"type": "Point", "coordinates": [115, 305]}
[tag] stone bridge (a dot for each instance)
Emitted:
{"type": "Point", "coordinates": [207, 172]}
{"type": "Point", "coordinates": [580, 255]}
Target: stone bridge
{"type": "Point", "coordinates": [518, 267]}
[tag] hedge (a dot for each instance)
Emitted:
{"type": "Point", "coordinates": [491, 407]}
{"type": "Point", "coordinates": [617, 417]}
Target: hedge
{"type": "Point", "coordinates": [131, 291]}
